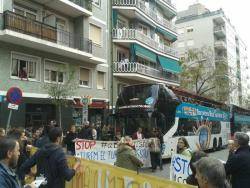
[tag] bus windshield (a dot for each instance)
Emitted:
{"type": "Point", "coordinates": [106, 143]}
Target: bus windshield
{"type": "Point", "coordinates": [137, 95]}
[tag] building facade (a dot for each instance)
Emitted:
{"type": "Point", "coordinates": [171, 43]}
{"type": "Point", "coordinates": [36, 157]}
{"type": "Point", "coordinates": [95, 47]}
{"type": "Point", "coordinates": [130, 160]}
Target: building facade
{"type": "Point", "coordinates": [143, 33]}
{"type": "Point", "coordinates": [40, 43]}
{"type": "Point", "coordinates": [198, 27]}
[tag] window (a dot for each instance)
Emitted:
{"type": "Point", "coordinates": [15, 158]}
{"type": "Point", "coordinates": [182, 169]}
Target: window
{"type": "Point", "coordinates": [24, 12]}
{"type": "Point", "coordinates": [101, 81]}
{"type": "Point", "coordinates": [190, 29]}
{"type": "Point", "coordinates": [190, 42]}
{"type": "Point", "coordinates": [121, 23]}
{"type": "Point", "coordinates": [180, 31]}
{"type": "Point", "coordinates": [181, 44]}
{"type": "Point", "coordinates": [95, 34]}
{"type": "Point", "coordinates": [85, 77]}
{"type": "Point", "coordinates": [25, 67]}
{"type": "Point", "coordinates": [54, 72]}
{"type": "Point", "coordinates": [97, 2]}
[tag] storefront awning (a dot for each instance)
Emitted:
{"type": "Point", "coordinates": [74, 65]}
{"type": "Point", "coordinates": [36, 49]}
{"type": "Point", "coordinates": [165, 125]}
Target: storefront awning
{"type": "Point", "coordinates": [170, 36]}
{"type": "Point", "coordinates": [145, 53]}
{"type": "Point", "coordinates": [170, 65]}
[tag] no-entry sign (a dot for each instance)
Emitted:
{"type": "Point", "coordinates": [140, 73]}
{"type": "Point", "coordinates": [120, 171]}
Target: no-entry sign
{"type": "Point", "coordinates": [14, 95]}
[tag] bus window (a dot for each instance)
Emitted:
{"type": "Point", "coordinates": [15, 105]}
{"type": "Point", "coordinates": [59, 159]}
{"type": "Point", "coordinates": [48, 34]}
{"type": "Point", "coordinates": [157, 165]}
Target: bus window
{"type": "Point", "coordinates": [186, 127]}
{"type": "Point", "coordinates": [216, 127]}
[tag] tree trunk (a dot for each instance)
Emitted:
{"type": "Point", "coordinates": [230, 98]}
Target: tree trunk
{"type": "Point", "coordinates": [60, 114]}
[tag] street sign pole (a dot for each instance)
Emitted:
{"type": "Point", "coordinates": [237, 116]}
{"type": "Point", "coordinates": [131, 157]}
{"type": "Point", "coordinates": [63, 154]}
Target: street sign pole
{"type": "Point", "coordinates": [9, 118]}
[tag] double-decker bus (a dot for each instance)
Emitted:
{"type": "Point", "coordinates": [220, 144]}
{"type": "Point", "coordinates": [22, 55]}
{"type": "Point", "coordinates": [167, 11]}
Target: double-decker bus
{"type": "Point", "coordinates": [240, 120]}
{"type": "Point", "coordinates": [203, 122]}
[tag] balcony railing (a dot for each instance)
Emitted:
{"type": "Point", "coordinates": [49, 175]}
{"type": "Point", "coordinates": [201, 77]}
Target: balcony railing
{"type": "Point", "coordinates": [146, 10]}
{"type": "Point", "coordinates": [132, 67]}
{"type": "Point", "coordinates": [222, 58]}
{"type": "Point", "coordinates": [219, 28]}
{"type": "Point", "coordinates": [169, 2]}
{"type": "Point", "coordinates": [87, 4]}
{"type": "Point", "coordinates": [133, 34]}
{"type": "Point", "coordinates": [220, 44]}
{"type": "Point", "coordinates": [21, 24]}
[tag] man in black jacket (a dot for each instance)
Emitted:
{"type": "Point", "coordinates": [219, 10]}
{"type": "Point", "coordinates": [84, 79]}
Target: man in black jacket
{"type": "Point", "coordinates": [238, 164]}
{"type": "Point", "coordinates": [51, 162]}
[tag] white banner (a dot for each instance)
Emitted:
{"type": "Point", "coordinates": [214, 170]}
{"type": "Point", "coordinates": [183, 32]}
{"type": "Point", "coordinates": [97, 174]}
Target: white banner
{"type": "Point", "coordinates": [105, 151]}
{"type": "Point", "coordinates": [180, 168]}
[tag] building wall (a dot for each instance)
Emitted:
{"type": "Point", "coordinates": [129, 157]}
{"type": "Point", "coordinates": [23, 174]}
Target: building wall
{"type": "Point", "coordinates": [203, 23]}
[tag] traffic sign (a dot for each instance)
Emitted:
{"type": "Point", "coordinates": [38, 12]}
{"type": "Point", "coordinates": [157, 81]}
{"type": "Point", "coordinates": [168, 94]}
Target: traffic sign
{"type": "Point", "coordinates": [14, 95]}
{"type": "Point", "coordinates": [12, 106]}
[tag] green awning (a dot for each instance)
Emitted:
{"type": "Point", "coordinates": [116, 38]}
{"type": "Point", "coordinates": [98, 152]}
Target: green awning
{"type": "Point", "coordinates": [169, 35]}
{"type": "Point", "coordinates": [145, 53]}
{"type": "Point", "coordinates": [114, 18]}
{"type": "Point", "coordinates": [170, 65]}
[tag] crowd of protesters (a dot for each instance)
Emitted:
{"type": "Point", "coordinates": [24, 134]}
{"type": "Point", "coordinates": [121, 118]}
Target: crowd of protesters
{"type": "Point", "coordinates": [50, 158]}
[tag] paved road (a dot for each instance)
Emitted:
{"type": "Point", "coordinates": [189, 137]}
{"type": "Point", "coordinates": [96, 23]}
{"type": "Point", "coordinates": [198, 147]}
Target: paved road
{"type": "Point", "coordinates": [222, 155]}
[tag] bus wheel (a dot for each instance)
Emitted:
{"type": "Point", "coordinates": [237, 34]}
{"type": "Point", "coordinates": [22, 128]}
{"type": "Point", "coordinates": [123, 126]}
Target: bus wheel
{"type": "Point", "coordinates": [220, 144]}
{"type": "Point", "coordinates": [214, 144]}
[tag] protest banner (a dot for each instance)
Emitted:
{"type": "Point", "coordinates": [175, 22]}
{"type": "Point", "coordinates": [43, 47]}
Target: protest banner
{"type": "Point", "coordinates": [94, 174]}
{"type": "Point", "coordinates": [105, 151]}
{"type": "Point", "coordinates": [180, 168]}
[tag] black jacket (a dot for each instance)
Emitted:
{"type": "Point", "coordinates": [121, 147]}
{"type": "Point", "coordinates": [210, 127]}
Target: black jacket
{"type": "Point", "coordinates": [238, 166]}
{"type": "Point", "coordinates": [51, 162]}
{"type": "Point", "coordinates": [69, 142]}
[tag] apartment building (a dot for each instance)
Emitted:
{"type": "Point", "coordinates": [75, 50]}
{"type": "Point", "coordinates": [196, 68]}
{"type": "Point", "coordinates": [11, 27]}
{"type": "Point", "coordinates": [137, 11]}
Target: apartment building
{"type": "Point", "coordinates": [143, 34]}
{"type": "Point", "coordinates": [40, 42]}
{"type": "Point", "coordinates": [198, 27]}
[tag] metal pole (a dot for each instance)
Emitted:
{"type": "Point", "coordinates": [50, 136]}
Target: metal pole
{"type": "Point", "coordinates": [8, 122]}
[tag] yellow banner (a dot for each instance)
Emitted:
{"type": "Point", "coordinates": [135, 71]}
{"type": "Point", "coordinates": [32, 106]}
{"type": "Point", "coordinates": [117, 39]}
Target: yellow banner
{"type": "Point", "coordinates": [98, 175]}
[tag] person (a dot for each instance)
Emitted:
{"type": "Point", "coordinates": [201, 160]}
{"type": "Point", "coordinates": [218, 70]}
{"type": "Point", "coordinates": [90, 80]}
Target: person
{"type": "Point", "coordinates": [183, 147]}
{"type": "Point", "coordinates": [138, 134]}
{"type": "Point", "coordinates": [126, 156]}
{"type": "Point", "coordinates": [86, 132]}
{"type": "Point", "coordinates": [210, 173]}
{"type": "Point", "coordinates": [231, 148]}
{"type": "Point", "coordinates": [9, 154]}
{"type": "Point", "coordinates": [42, 141]}
{"type": "Point", "coordinates": [2, 133]}
{"type": "Point", "coordinates": [191, 180]}
{"type": "Point", "coordinates": [155, 150]}
{"type": "Point", "coordinates": [94, 131]}
{"type": "Point", "coordinates": [238, 164]}
{"type": "Point", "coordinates": [69, 140]}
{"type": "Point", "coordinates": [51, 162]}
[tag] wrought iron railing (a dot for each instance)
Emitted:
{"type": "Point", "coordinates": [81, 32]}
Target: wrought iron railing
{"type": "Point", "coordinates": [21, 24]}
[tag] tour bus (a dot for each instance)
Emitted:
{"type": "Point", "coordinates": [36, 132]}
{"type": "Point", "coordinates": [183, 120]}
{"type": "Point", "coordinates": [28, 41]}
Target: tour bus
{"type": "Point", "coordinates": [240, 120]}
{"type": "Point", "coordinates": [203, 122]}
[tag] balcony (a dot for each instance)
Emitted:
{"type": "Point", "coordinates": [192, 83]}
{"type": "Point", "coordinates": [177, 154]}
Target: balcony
{"type": "Point", "coordinates": [169, 6]}
{"type": "Point", "coordinates": [139, 72]}
{"type": "Point", "coordinates": [220, 31]}
{"type": "Point", "coordinates": [128, 7]}
{"type": "Point", "coordinates": [20, 30]}
{"type": "Point", "coordinates": [221, 58]}
{"type": "Point", "coordinates": [73, 8]}
{"type": "Point", "coordinates": [127, 36]}
{"type": "Point", "coordinates": [220, 45]}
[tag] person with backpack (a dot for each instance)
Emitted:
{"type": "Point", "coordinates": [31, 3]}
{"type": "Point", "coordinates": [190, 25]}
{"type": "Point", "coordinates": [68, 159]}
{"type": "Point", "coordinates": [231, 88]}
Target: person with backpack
{"type": "Point", "coordinates": [51, 162]}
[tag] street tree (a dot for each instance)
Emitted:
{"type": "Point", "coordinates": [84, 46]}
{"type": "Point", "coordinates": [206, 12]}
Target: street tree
{"type": "Point", "coordinates": [204, 76]}
{"type": "Point", "coordinates": [61, 90]}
